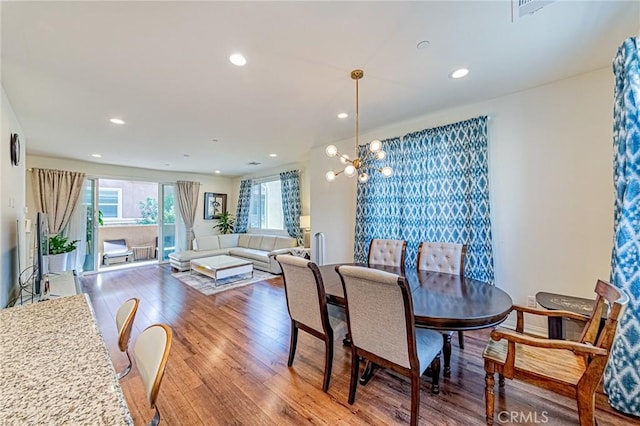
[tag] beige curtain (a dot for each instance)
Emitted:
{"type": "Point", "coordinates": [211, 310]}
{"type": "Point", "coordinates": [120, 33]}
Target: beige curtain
{"type": "Point", "coordinates": [56, 193]}
{"type": "Point", "coordinates": [187, 203]}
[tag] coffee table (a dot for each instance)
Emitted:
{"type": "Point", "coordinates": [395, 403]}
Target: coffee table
{"type": "Point", "coordinates": [218, 267]}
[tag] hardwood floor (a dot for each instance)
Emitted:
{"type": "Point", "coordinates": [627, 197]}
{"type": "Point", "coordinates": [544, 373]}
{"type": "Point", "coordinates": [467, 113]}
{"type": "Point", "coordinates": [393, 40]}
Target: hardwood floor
{"type": "Point", "coordinates": [228, 365]}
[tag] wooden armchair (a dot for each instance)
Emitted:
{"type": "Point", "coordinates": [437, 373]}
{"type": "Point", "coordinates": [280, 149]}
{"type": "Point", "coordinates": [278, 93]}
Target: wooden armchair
{"type": "Point", "coordinates": [573, 369]}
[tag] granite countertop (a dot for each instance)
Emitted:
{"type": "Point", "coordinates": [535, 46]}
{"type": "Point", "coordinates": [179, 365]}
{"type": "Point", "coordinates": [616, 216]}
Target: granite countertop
{"type": "Point", "coordinates": [55, 368]}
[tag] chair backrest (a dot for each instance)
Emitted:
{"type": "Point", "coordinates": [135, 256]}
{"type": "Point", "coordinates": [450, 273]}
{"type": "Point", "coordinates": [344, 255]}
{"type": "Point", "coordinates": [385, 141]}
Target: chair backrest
{"type": "Point", "coordinates": [304, 290]}
{"type": "Point", "coordinates": [111, 246]}
{"type": "Point", "coordinates": [380, 314]}
{"type": "Point", "coordinates": [124, 321]}
{"type": "Point", "coordinates": [151, 353]}
{"type": "Point", "coordinates": [607, 294]}
{"type": "Point", "coordinates": [441, 257]}
{"type": "Point", "coordinates": [387, 252]}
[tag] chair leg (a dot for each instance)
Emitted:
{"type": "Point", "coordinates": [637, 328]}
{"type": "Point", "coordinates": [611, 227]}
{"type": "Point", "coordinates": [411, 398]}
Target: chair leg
{"type": "Point", "coordinates": [586, 408]}
{"type": "Point", "coordinates": [128, 368]}
{"type": "Point", "coordinates": [461, 339]}
{"type": "Point", "coordinates": [415, 399]}
{"type": "Point", "coordinates": [293, 343]}
{"type": "Point", "coordinates": [488, 391]}
{"type": "Point", "coordinates": [435, 375]}
{"type": "Point", "coordinates": [328, 361]}
{"type": "Point", "coordinates": [446, 351]}
{"type": "Point", "coordinates": [355, 367]}
{"type": "Point", "coordinates": [500, 380]}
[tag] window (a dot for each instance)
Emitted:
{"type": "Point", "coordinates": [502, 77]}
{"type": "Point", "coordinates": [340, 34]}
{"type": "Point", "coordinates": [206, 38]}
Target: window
{"type": "Point", "coordinates": [110, 202]}
{"type": "Point", "coordinates": [265, 211]}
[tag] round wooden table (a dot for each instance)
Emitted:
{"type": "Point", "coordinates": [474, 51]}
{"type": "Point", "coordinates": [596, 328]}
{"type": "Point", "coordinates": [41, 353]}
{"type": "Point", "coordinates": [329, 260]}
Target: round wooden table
{"type": "Point", "coordinates": [440, 301]}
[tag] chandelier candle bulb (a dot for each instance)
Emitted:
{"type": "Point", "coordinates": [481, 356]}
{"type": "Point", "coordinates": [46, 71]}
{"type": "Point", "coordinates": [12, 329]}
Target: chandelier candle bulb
{"type": "Point", "coordinates": [358, 166]}
{"type": "Point", "coordinates": [331, 151]}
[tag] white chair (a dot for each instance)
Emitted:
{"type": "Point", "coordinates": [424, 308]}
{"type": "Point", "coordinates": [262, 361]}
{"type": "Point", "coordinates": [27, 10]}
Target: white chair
{"type": "Point", "coordinates": [382, 329]}
{"type": "Point", "coordinates": [387, 252]}
{"type": "Point", "coordinates": [446, 258]}
{"type": "Point", "coordinates": [124, 322]}
{"type": "Point", "coordinates": [151, 353]}
{"type": "Point", "coordinates": [307, 305]}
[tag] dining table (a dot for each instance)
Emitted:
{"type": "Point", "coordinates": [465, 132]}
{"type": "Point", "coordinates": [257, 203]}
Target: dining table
{"type": "Point", "coordinates": [442, 302]}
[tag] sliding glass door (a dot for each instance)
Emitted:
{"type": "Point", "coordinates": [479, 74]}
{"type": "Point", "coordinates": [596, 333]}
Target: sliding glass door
{"type": "Point", "coordinates": [167, 219]}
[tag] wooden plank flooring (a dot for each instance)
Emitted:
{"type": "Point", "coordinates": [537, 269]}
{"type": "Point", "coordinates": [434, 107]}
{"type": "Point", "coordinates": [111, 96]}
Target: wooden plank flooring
{"type": "Point", "coordinates": [228, 365]}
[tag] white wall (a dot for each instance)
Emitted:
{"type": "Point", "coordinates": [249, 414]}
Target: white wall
{"type": "Point", "coordinates": [12, 201]}
{"type": "Point", "coordinates": [209, 183]}
{"type": "Point", "coordinates": [550, 169]}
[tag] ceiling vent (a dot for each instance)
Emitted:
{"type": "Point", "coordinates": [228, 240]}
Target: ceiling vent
{"type": "Point", "coordinates": [523, 8]}
{"type": "Point", "coordinates": [253, 163]}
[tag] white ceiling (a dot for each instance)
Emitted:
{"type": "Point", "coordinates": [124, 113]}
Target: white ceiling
{"type": "Point", "coordinates": [67, 67]}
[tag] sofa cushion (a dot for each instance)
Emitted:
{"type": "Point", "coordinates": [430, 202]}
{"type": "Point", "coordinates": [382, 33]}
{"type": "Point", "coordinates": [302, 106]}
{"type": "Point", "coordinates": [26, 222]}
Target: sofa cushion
{"type": "Point", "coordinates": [255, 241]}
{"type": "Point", "coordinates": [209, 242]}
{"type": "Point", "coordinates": [268, 241]}
{"type": "Point", "coordinates": [243, 240]}
{"type": "Point", "coordinates": [284, 242]}
{"type": "Point", "coordinates": [253, 254]}
{"type": "Point", "coordinates": [228, 240]}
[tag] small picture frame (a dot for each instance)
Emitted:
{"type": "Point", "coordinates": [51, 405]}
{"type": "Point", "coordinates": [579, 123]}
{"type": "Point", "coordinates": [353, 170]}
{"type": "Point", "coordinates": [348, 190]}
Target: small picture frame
{"type": "Point", "coordinates": [214, 205]}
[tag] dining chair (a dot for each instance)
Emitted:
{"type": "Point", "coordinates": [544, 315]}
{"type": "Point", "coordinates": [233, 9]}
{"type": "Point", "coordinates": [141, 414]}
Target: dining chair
{"type": "Point", "coordinates": [124, 322]}
{"type": "Point", "coordinates": [307, 306]}
{"type": "Point", "coordinates": [447, 258]}
{"type": "Point", "coordinates": [382, 329]}
{"type": "Point", "coordinates": [572, 369]}
{"type": "Point", "coordinates": [151, 353]}
{"type": "Point", "coordinates": [387, 252]}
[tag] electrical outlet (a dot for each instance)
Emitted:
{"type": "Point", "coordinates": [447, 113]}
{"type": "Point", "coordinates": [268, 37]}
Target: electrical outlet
{"type": "Point", "coordinates": [531, 302]}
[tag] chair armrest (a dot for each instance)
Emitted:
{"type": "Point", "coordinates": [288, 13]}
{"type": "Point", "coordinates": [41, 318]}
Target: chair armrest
{"type": "Point", "coordinates": [521, 310]}
{"type": "Point", "coordinates": [513, 336]}
{"type": "Point", "coordinates": [547, 313]}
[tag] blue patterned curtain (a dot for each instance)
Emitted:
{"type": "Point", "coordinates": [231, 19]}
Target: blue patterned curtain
{"type": "Point", "coordinates": [439, 192]}
{"type": "Point", "coordinates": [378, 206]}
{"type": "Point", "coordinates": [622, 376]}
{"type": "Point", "coordinates": [290, 183]}
{"type": "Point", "coordinates": [244, 202]}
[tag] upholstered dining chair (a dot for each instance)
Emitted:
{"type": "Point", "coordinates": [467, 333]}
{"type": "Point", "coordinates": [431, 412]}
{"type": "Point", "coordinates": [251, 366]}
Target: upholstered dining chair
{"type": "Point", "coordinates": [387, 252]}
{"type": "Point", "coordinates": [382, 329]}
{"type": "Point", "coordinates": [447, 258]}
{"type": "Point", "coordinates": [307, 305]}
{"type": "Point", "coordinates": [151, 353]}
{"type": "Point", "coordinates": [573, 369]}
{"type": "Point", "coordinates": [124, 322]}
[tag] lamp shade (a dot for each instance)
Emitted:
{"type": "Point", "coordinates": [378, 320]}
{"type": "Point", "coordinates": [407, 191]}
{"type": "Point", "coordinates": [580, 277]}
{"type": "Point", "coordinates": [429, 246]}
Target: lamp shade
{"type": "Point", "coordinates": [305, 222]}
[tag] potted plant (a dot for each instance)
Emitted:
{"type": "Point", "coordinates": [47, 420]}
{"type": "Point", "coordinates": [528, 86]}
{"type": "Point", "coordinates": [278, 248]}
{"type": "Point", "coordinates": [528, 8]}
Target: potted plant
{"type": "Point", "coordinates": [59, 249]}
{"type": "Point", "coordinates": [225, 223]}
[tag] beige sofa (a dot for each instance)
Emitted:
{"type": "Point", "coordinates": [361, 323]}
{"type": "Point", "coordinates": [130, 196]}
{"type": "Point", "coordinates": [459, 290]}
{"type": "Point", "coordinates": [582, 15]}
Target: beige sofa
{"type": "Point", "coordinates": [260, 249]}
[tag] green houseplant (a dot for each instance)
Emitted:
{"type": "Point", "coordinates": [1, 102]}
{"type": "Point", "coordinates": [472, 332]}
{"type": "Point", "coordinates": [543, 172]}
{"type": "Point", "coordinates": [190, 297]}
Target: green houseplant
{"type": "Point", "coordinates": [225, 223]}
{"type": "Point", "coordinates": [59, 249]}
{"type": "Point", "coordinates": [59, 245]}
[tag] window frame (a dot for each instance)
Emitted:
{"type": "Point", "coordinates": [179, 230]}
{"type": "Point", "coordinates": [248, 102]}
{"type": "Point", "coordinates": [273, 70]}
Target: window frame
{"type": "Point", "coordinates": [118, 192]}
{"type": "Point", "coordinates": [251, 229]}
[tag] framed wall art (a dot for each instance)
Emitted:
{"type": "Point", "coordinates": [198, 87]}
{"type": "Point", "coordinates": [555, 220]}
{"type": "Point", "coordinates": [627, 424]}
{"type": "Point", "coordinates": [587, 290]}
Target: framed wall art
{"type": "Point", "coordinates": [214, 205]}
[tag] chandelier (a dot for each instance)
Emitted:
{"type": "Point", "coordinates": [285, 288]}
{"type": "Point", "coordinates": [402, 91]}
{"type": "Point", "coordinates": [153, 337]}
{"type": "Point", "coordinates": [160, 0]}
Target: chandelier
{"type": "Point", "coordinates": [358, 166]}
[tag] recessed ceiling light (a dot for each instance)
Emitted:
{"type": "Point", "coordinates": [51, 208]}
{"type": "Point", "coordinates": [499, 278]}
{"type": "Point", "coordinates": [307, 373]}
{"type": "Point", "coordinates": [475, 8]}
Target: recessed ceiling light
{"type": "Point", "coordinates": [424, 44]}
{"type": "Point", "coordinates": [96, 155]}
{"type": "Point", "coordinates": [186, 155]}
{"type": "Point", "coordinates": [273, 155]}
{"type": "Point", "coordinates": [217, 172]}
{"type": "Point", "coordinates": [167, 164]}
{"type": "Point", "coordinates": [343, 115]}
{"type": "Point", "coordinates": [117, 121]}
{"type": "Point", "coordinates": [459, 73]}
{"type": "Point", "coordinates": [238, 59]}
{"type": "Point", "coordinates": [215, 140]}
